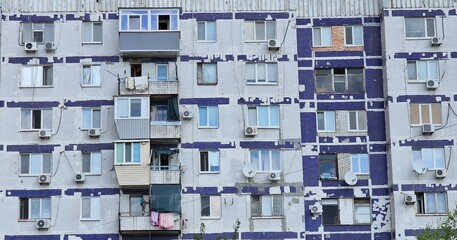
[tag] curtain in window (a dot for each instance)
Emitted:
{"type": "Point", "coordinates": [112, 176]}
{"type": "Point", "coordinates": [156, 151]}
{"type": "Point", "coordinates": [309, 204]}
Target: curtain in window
{"type": "Point", "coordinates": [96, 73]}
{"type": "Point", "coordinates": [213, 161]}
{"type": "Point", "coordinates": [86, 74]}
{"type": "Point", "coordinates": [267, 208]}
{"type": "Point", "coordinates": [210, 73]}
{"type": "Point", "coordinates": [173, 110]}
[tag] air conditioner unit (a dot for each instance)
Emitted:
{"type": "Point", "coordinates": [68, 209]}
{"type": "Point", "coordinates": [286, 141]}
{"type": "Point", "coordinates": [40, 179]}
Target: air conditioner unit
{"type": "Point", "coordinates": [432, 84]}
{"type": "Point", "coordinates": [440, 173]}
{"type": "Point", "coordinates": [94, 132]}
{"type": "Point", "coordinates": [186, 114]}
{"type": "Point", "coordinates": [30, 46]}
{"type": "Point", "coordinates": [316, 208]}
{"type": "Point", "coordinates": [50, 46]}
{"type": "Point", "coordinates": [273, 44]}
{"type": "Point", "coordinates": [409, 198]}
{"type": "Point", "coordinates": [80, 177]}
{"type": "Point", "coordinates": [428, 129]}
{"type": "Point", "coordinates": [250, 131]}
{"type": "Point", "coordinates": [436, 41]}
{"type": "Point", "coordinates": [275, 176]}
{"type": "Point", "coordinates": [42, 224]}
{"type": "Point", "coordinates": [45, 133]}
{"type": "Point", "coordinates": [44, 179]}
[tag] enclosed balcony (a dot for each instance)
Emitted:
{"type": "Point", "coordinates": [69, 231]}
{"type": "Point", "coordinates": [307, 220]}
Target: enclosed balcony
{"type": "Point", "coordinates": [165, 166]}
{"type": "Point", "coordinates": [131, 117]}
{"type": "Point", "coordinates": [149, 32]}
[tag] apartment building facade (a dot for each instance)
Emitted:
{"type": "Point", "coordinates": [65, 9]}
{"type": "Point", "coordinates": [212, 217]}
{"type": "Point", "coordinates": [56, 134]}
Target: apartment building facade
{"type": "Point", "coordinates": [150, 119]}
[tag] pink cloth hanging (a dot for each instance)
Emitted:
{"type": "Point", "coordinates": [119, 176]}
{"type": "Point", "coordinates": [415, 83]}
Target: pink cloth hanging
{"type": "Point", "coordinates": [166, 220]}
{"type": "Point", "coordinates": [154, 218]}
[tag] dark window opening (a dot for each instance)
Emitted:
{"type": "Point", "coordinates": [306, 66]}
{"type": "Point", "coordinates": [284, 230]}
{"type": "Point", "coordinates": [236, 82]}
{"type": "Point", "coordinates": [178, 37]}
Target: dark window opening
{"type": "Point", "coordinates": [38, 36]}
{"type": "Point", "coordinates": [36, 119]}
{"type": "Point", "coordinates": [164, 22]}
{"type": "Point", "coordinates": [135, 70]}
{"type": "Point", "coordinates": [24, 208]}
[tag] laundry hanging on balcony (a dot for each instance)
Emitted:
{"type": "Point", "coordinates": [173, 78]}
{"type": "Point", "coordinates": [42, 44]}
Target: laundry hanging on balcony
{"type": "Point", "coordinates": [154, 218]}
{"type": "Point", "coordinates": [166, 220]}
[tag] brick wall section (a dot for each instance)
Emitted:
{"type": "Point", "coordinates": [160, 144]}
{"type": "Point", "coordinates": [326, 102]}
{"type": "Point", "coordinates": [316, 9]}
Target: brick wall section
{"type": "Point", "coordinates": [337, 42]}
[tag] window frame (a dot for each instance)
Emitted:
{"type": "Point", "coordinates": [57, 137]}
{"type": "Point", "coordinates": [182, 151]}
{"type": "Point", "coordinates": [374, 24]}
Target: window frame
{"type": "Point", "coordinates": [325, 113]}
{"type": "Point", "coordinates": [358, 158]}
{"type": "Point", "coordinates": [42, 119]}
{"type": "Point", "coordinates": [321, 34]}
{"type": "Point", "coordinates": [29, 163]}
{"type": "Point", "coordinates": [47, 29]}
{"type": "Point", "coordinates": [268, 65]}
{"type": "Point", "coordinates": [333, 76]}
{"type": "Point", "coordinates": [28, 201]}
{"type": "Point", "coordinates": [422, 203]}
{"type": "Point", "coordinates": [416, 63]}
{"type": "Point", "coordinates": [266, 33]}
{"type": "Point", "coordinates": [261, 160]}
{"type": "Point", "coordinates": [362, 203]}
{"type": "Point", "coordinates": [430, 113]}
{"type": "Point", "coordinates": [144, 108]}
{"type": "Point", "coordinates": [132, 154]}
{"type": "Point", "coordinates": [426, 34]}
{"type": "Point", "coordinates": [211, 207]}
{"type": "Point", "coordinates": [360, 127]}
{"type": "Point", "coordinates": [327, 159]}
{"type": "Point", "coordinates": [201, 67]}
{"type": "Point", "coordinates": [43, 69]}
{"type": "Point", "coordinates": [434, 157]}
{"type": "Point", "coordinates": [150, 15]}
{"type": "Point", "coordinates": [83, 110]}
{"type": "Point", "coordinates": [206, 31]}
{"type": "Point", "coordinates": [92, 83]}
{"type": "Point", "coordinates": [331, 202]}
{"type": "Point", "coordinates": [92, 162]}
{"type": "Point", "coordinates": [208, 117]}
{"type": "Point", "coordinates": [353, 36]}
{"type": "Point", "coordinates": [92, 30]}
{"type": "Point", "coordinates": [208, 161]}
{"type": "Point", "coordinates": [270, 115]}
{"type": "Point", "coordinates": [271, 198]}
{"type": "Point", "coordinates": [162, 79]}
{"type": "Point", "coordinates": [94, 202]}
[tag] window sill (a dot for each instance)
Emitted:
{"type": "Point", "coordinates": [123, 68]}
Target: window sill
{"type": "Point", "coordinates": [146, 31]}
{"type": "Point", "coordinates": [127, 164]}
{"type": "Point", "coordinates": [262, 83]}
{"type": "Point", "coordinates": [357, 131]}
{"type": "Point", "coordinates": [92, 174]}
{"type": "Point", "coordinates": [91, 86]}
{"type": "Point", "coordinates": [417, 81]}
{"type": "Point", "coordinates": [256, 41]}
{"type": "Point", "coordinates": [165, 123]}
{"type": "Point", "coordinates": [263, 127]}
{"type": "Point", "coordinates": [36, 86]}
{"type": "Point", "coordinates": [201, 127]}
{"type": "Point", "coordinates": [362, 174]}
{"type": "Point", "coordinates": [209, 172]}
{"type": "Point", "coordinates": [205, 41]}
{"type": "Point", "coordinates": [353, 46]}
{"type": "Point", "coordinates": [87, 129]}
{"type": "Point", "coordinates": [355, 224]}
{"type": "Point", "coordinates": [31, 220]}
{"type": "Point", "coordinates": [419, 38]}
{"type": "Point", "coordinates": [267, 217]}
{"type": "Point", "coordinates": [329, 179]}
{"type": "Point", "coordinates": [323, 46]}
{"type": "Point", "coordinates": [430, 214]}
{"type": "Point", "coordinates": [88, 220]}
{"type": "Point", "coordinates": [321, 131]}
{"type": "Point", "coordinates": [210, 218]}
{"type": "Point", "coordinates": [32, 175]}
{"type": "Point", "coordinates": [92, 43]}
{"type": "Point", "coordinates": [206, 84]}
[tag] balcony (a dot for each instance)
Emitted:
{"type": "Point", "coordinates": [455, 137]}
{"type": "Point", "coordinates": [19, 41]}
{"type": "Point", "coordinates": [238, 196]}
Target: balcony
{"type": "Point", "coordinates": [149, 44]}
{"type": "Point", "coordinates": [165, 175]}
{"type": "Point", "coordinates": [144, 85]}
{"type": "Point", "coordinates": [138, 224]}
{"type": "Point", "coordinates": [165, 130]}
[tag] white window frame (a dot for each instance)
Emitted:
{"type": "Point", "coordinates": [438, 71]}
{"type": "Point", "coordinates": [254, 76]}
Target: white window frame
{"type": "Point", "coordinates": [353, 31]}
{"type": "Point", "coordinates": [430, 112]}
{"type": "Point", "coordinates": [360, 126]}
{"type": "Point", "coordinates": [157, 72]}
{"type": "Point", "coordinates": [41, 158]}
{"type": "Point", "coordinates": [132, 154]}
{"type": "Point", "coordinates": [269, 200]}
{"type": "Point", "coordinates": [428, 64]}
{"type": "Point", "coordinates": [95, 158]}
{"type": "Point", "coordinates": [38, 75]}
{"type": "Point", "coordinates": [209, 155]}
{"type": "Point", "coordinates": [434, 160]}
{"type": "Point", "coordinates": [360, 203]}
{"type": "Point", "coordinates": [208, 117]}
{"type": "Point", "coordinates": [269, 79]}
{"type": "Point", "coordinates": [47, 30]}
{"type": "Point", "coordinates": [91, 116]}
{"type": "Point", "coordinates": [150, 14]}
{"type": "Point", "coordinates": [269, 116]}
{"type": "Point", "coordinates": [322, 35]}
{"type": "Point", "coordinates": [212, 199]}
{"type": "Point", "coordinates": [201, 69]}
{"type": "Point", "coordinates": [144, 108]}
{"type": "Point", "coordinates": [358, 159]}
{"type": "Point", "coordinates": [41, 213]}
{"type": "Point", "coordinates": [92, 30]}
{"type": "Point", "coordinates": [205, 24]}
{"type": "Point", "coordinates": [43, 118]}
{"type": "Point", "coordinates": [423, 203]}
{"type": "Point", "coordinates": [270, 160]}
{"type": "Point", "coordinates": [94, 204]}
{"type": "Point", "coordinates": [93, 71]}
{"type": "Point", "coordinates": [426, 34]}
{"type": "Point", "coordinates": [253, 25]}
{"type": "Point", "coordinates": [326, 127]}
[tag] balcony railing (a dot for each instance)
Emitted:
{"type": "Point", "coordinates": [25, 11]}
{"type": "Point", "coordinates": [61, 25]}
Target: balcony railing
{"type": "Point", "coordinates": [165, 175]}
{"type": "Point", "coordinates": [148, 85]}
{"type": "Point", "coordinates": [137, 224]}
{"type": "Point", "coordinates": [165, 129]}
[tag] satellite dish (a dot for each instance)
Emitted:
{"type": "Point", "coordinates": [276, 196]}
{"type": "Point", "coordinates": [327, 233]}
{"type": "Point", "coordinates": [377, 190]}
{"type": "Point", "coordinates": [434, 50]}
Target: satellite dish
{"type": "Point", "coordinates": [249, 170]}
{"type": "Point", "coordinates": [350, 178]}
{"type": "Point", "coordinates": [419, 166]}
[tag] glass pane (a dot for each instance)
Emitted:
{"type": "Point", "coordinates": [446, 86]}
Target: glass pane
{"type": "Point", "coordinates": [267, 206]}
{"type": "Point", "coordinates": [249, 30]}
{"type": "Point", "coordinates": [439, 158]}
{"type": "Point", "coordinates": [46, 208]}
{"type": "Point", "coordinates": [355, 83]}
{"type": "Point", "coordinates": [85, 208]}
{"type": "Point", "coordinates": [136, 152]}
{"type": "Point", "coordinates": [96, 74]}
{"type": "Point", "coordinates": [27, 76]}
{"type": "Point", "coordinates": [352, 120]}
{"type": "Point", "coordinates": [412, 73]}
{"type": "Point", "coordinates": [128, 152]}
{"type": "Point", "coordinates": [25, 160]}
{"type": "Point", "coordinates": [86, 162]}
{"type": "Point", "coordinates": [250, 73]}
{"type": "Point", "coordinates": [135, 108]}
{"type": "Point", "coordinates": [427, 156]}
{"type": "Point", "coordinates": [211, 31]}
{"type": "Point", "coordinates": [330, 214]}
{"type": "Point", "coordinates": [430, 204]}
{"type": "Point", "coordinates": [119, 152]}
{"type": "Point", "coordinates": [124, 21]}
{"type": "Point", "coordinates": [326, 36]}
{"type": "Point", "coordinates": [317, 37]}
{"type": "Point", "coordinates": [135, 206]}
{"type": "Point", "coordinates": [422, 70]}
{"type": "Point", "coordinates": [364, 163]}
{"type": "Point", "coordinates": [95, 207]}
{"type": "Point", "coordinates": [35, 164]}
{"type": "Point", "coordinates": [252, 116]}
{"type": "Point", "coordinates": [215, 206]}
{"type": "Point", "coordinates": [213, 116]}
{"type": "Point", "coordinates": [201, 31]}
{"type": "Point", "coordinates": [203, 116]}
{"type": "Point", "coordinates": [272, 72]}
{"type": "Point", "coordinates": [162, 72]}
{"type": "Point", "coordinates": [47, 119]}
{"type": "Point", "coordinates": [436, 113]}
{"type": "Point", "coordinates": [417, 155]}
{"type": "Point", "coordinates": [355, 163]}
{"type": "Point", "coordinates": [323, 80]}
{"type": "Point", "coordinates": [47, 160]}
{"type": "Point", "coordinates": [433, 70]}
{"type": "Point", "coordinates": [260, 31]}
{"type": "Point", "coordinates": [274, 116]}
{"type": "Point", "coordinates": [210, 73]}
{"type": "Point", "coordinates": [348, 35]}
{"type": "Point", "coordinates": [98, 32]}
{"type": "Point", "coordinates": [87, 32]}
{"type": "Point", "coordinates": [96, 162]}
{"type": "Point", "coordinates": [327, 169]}
{"type": "Point", "coordinates": [265, 160]}
{"type": "Point", "coordinates": [271, 29]}
{"type": "Point", "coordinates": [213, 161]}
{"type": "Point", "coordinates": [154, 22]}
{"type": "Point", "coordinates": [35, 208]}
{"type": "Point", "coordinates": [263, 116]}
{"type": "Point", "coordinates": [144, 22]}
{"type": "Point", "coordinates": [320, 121]}
{"type": "Point", "coordinates": [340, 83]}
{"type": "Point", "coordinates": [358, 35]}
{"type": "Point", "coordinates": [174, 22]}
{"type": "Point", "coordinates": [425, 113]}
{"type": "Point", "coordinates": [122, 108]}
{"type": "Point", "coordinates": [205, 206]}
{"type": "Point", "coordinates": [86, 120]}
{"type": "Point", "coordinates": [255, 206]}
{"type": "Point", "coordinates": [204, 162]}
{"type": "Point", "coordinates": [96, 115]}
{"type": "Point", "coordinates": [277, 205]}
{"type": "Point", "coordinates": [134, 22]}
{"type": "Point", "coordinates": [362, 118]}
{"type": "Point", "coordinates": [330, 121]}
{"type": "Point", "coordinates": [414, 27]}
{"type": "Point", "coordinates": [414, 113]}
{"type": "Point", "coordinates": [430, 27]}
{"type": "Point", "coordinates": [275, 161]}
{"type": "Point", "coordinates": [255, 159]}
{"type": "Point", "coordinates": [441, 203]}
{"type": "Point", "coordinates": [26, 119]}
{"type": "Point", "coordinates": [261, 75]}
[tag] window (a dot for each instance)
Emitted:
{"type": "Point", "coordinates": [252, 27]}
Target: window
{"type": "Point", "coordinates": [36, 76]}
{"type": "Point", "coordinates": [92, 32]}
{"type": "Point", "coordinates": [362, 211]}
{"type": "Point", "coordinates": [34, 208]}
{"type": "Point", "coordinates": [135, 70]}
{"type": "Point", "coordinates": [326, 121]}
{"type": "Point", "coordinates": [148, 19]}
{"type": "Point", "coordinates": [357, 120]}
{"type": "Point", "coordinates": [339, 80]}
{"type": "Point", "coordinates": [92, 163]}
{"type": "Point", "coordinates": [266, 206]}
{"type": "Point", "coordinates": [207, 73]}
{"type": "Point", "coordinates": [161, 113]}
{"type": "Point", "coordinates": [261, 72]}
{"type": "Point", "coordinates": [263, 116]}
{"type": "Point", "coordinates": [360, 164]}
{"type": "Point", "coordinates": [431, 203]}
{"type": "Point", "coordinates": [211, 206]}
{"type": "Point", "coordinates": [260, 30]}
{"type": "Point", "coordinates": [137, 203]}
{"type": "Point", "coordinates": [425, 113]}
{"type": "Point", "coordinates": [433, 157]}
{"type": "Point", "coordinates": [128, 152]}
{"type": "Point", "coordinates": [206, 31]}
{"type": "Point", "coordinates": [37, 32]}
{"type": "Point", "coordinates": [208, 117]}
{"type": "Point", "coordinates": [162, 72]}
{"type": "Point", "coordinates": [322, 36]}
{"type": "Point", "coordinates": [35, 163]}
{"type": "Point", "coordinates": [209, 162]}
{"type": "Point", "coordinates": [91, 75]}
{"type": "Point", "coordinates": [353, 36]}
{"type": "Point", "coordinates": [328, 168]}
{"type": "Point", "coordinates": [91, 118]}
{"type": "Point", "coordinates": [131, 107]}
{"type": "Point", "coordinates": [423, 70]}
{"type": "Point", "coordinates": [330, 212]}
{"type": "Point", "coordinates": [90, 208]}
{"type": "Point", "coordinates": [36, 119]}
{"type": "Point", "coordinates": [266, 160]}
{"type": "Point", "coordinates": [420, 27]}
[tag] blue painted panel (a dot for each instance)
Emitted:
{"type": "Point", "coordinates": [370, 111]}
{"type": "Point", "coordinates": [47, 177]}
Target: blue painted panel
{"type": "Point", "coordinates": [208, 145]}
{"type": "Point", "coordinates": [201, 190]}
{"type": "Point", "coordinates": [265, 145]}
{"type": "Point", "coordinates": [204, 101]}
{"type": "Point", "coordinates": [151, 59]}
{"type": "Point", "coordinates": [336, 21]}
{"type": "Point", "coordinates": [2, 104]}
{"type": "Point", "coordinates": [261, 16]}
{"type": "Point", "coordinates": [312, 222]}
{"type": "Point", "coordinates": [423, 98]}
{"type": "Point", "coordinates": [135, 192]}
{"type": "Point", "coordinates": [372, 40]}
{"type": "Point", "coordinates": [418, 13]}
{"type": "Point", "coordinates": [41, 60]}
{"type": "Point", "coordinates": [421, 55]}
{"type": "Point", "coordinates": [376, 126]}
{"type": "Point", "coordinates": [268, 235]}
{"type": "Point", "coordinates": [33, 193]}
{"type": "Point", "coordinates": [1, 147]}
{"type": "Point", "coordinates": [310, 171]}
{"type": "Point", "coordinates": [34, 18]}
{"type": "Point", "coordinates": [89, 103]}
{"type": "Point", "coordinates": [349, 228]}
{"type": "Point", "coordinates": [304, 21]}
{"type": "Point", "coordinates": [342, 183]}
{"type": "Point", "coordinates": [339, 54]}
{"type": "Point", "coordinates": [374, 83]}
{"type": "Point", "coordinates": [77, 59]}
{"type": "Point", "coordinates": [270, 100]}
{"type": "Point", "coordinates": [341, 193]}
{"type": "Point", "coordinates": [90, 147]}
{"type": "Point", "coordinates": [355, 148]}
{"type": "Point", "coordinates": [412, 232]}
{"type": "Point", "coordinates": [346, 236]}
{"type": "Point", "coordinates": [304, 42]}
{"type": "Point", "coordinates": [428, 188]}
{"type": "Point", "coordinates": [331, 106]}
{"type": "Point", "coordinates": [375, 105]}
{"type": "Point", "coordinates": [312, 236]}
{"type": "Point", "coordinates": [372, 20]}
{"type": "Point", "coordinates": [32, 237]}
{"type": "Point", "coordinates": [305, 63]}
{"type": "Point", "coordinates": [34, 104]}
{"type": "Point", "coordinates": [308, 127]}
{"type": "Point", "coordinates": [452, 12]}
{"type": "Point", "coordinates": [342, 63]}
{"type": "Point", "coordinates": [207, 16]}
{"type": "Point", "coordinates": [92, 191]}
{"type": "Point", "coordinates": [306, 77]}
{"type": "Point", "coordinates": [378, 169]}
{"type": "Point", "coordinates": [374, 62]}
{"type": "Point", "coordinates": [427, 143]}
{"type": "Point", "coordinates": [31, 148]}
{"type": "Point", "coordinates": [93, 236]}
{"type": "Point", "coordinates": [380, 192]}
{"type": "Point", "coordinates": [340, 96]}
{"type": "Point", "coordinates": [256, 190]}
{"type": "Point", "coordinates": [345, 139]}
{"type": "Point", "coordinates": [378, 147]}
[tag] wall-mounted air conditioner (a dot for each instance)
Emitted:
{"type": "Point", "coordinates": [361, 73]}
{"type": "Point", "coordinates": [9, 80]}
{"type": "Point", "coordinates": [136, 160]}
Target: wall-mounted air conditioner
{"type": "Point", "coordinates": [440, 173]}
{"type": "Point", "coordinates": [44, 178]}
{"type": "Point", "coordinates": [30, 46]}
{"type": "Point", "coordinates": [316, 208]}
{"type": "Point", "coordinates": [250, 131]}
{"type": "Point", "coordinates": [409, 198]}
{"type": "Point", "coordinates": [436, 41]}
{"type": "Point", "coordinates": [428, 129]}
{"type": "Point", "coordinates": [50, 46]}
{"type": "Point", "coordinates": [273, 44]}
{"type": "Point", "coordinates": [94, 132]}
{"type": "Point", "coordinates": [45, 133]}
{"type": "Point", "coordinates": [432, 84]}
{"type": "Point", "coordinates": [42, 224]}
{"type": "Point", "coordinates": [80, 177]}
{"type": "Point", "coordinates": [186, 114]}
{"type": "Point", "coordinates": [274, 176]}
